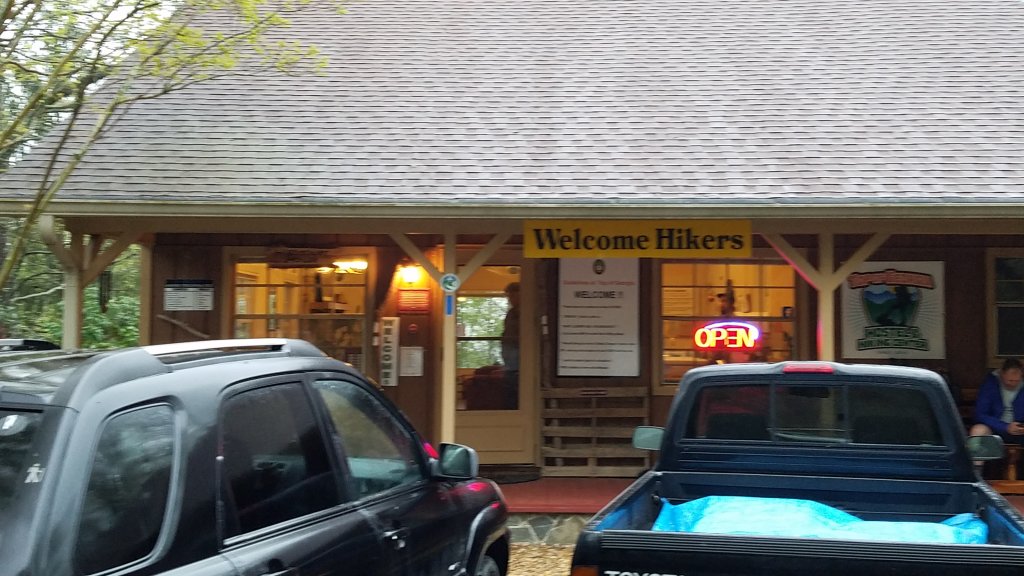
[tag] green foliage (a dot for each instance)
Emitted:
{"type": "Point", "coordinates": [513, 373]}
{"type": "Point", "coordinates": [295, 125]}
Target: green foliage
{"type": "Point", "coordinates": [31, 306]}
{"type": "Point", "coordinates": [481, 319]}
{"type": "Point", "coordinates": [117, 327]}
{"type": "Point", "coordinates": [75, 63]}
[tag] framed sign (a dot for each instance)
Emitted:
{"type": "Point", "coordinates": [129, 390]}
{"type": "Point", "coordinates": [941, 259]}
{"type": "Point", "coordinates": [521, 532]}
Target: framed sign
{"type": "Point", "coordinates": [599, 317]}
{"type": "Point", "coordinates": [894, 310]}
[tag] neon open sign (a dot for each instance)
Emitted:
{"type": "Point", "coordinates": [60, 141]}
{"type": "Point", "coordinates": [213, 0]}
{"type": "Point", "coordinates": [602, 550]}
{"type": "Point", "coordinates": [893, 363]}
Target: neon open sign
{"type": "Point", "coordinates": [730, 335]}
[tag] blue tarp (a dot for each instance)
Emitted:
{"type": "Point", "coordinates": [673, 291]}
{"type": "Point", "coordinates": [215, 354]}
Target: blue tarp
{"type": "Point", "coordinates": [807, 519]}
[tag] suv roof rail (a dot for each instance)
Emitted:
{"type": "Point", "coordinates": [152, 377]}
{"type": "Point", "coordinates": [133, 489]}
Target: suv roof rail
{"type": "Point", "coordinates": [25, 344]}
{"type": "Point", "coordinates": [214, 348]}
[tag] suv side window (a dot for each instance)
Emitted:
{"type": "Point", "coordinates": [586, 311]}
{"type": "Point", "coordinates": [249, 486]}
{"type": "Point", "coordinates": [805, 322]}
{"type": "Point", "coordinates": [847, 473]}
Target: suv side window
{"type": "Point", "coordinates": [128, 488]}
{"type": "Point", "coordinates": [274, 461]}
{"type": "Point", "coordinates": [379, 451]}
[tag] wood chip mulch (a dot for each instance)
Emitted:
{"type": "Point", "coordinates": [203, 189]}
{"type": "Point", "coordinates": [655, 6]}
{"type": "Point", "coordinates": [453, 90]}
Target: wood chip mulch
{"type": "Point", "coordinates": [539, 560]}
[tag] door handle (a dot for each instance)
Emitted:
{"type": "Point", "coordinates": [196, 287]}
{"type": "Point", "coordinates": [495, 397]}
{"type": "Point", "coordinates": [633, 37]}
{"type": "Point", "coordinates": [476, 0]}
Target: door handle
{"type": "Point", "coordinates": [396, 537]}
{"type": "Point", "coordinates": [276, 568]}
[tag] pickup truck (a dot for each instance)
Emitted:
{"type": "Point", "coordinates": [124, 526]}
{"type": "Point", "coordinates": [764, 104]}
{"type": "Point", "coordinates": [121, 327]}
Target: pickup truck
{"type": "Point", "coordinates": [882, 447]}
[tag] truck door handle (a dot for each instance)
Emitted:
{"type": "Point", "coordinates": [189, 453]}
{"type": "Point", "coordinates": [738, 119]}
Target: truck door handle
{"type": "Point", "coordinates": [396, 537]}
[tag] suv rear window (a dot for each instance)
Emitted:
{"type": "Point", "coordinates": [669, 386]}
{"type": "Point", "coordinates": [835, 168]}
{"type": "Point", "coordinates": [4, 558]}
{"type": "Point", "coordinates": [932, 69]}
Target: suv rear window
{"type": "Point", "coordinates": [826, 413]}
{"type": "Point", "coordinates": [17, 467]}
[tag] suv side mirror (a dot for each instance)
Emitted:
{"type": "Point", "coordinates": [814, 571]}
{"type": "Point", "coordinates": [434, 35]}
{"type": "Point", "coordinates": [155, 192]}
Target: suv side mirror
{"type": "Point", "coordinates": [985, 447]}
{"type": "Point", "coordinates": [457, 462]}
{"type": "Point", "coordinates": [648, 437]}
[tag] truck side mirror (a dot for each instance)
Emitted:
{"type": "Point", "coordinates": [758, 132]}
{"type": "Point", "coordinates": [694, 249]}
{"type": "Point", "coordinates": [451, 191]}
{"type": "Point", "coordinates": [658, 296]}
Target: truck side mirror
{"type": "Point", "coordinates": [457, 462]}
{"type": "Point", "coordinates": [985, 447]}
{"type": "Point", "coordinates": [648, 437]}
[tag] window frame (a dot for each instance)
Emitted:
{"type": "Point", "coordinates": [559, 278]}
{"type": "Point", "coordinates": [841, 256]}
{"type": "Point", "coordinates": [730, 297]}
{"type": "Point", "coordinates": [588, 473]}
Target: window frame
{"type": "Point", "coordinates": [164, 533]}
{"type": "Point", "coordinates": [460, 338]}
{"type": "Point", "coordinates": [992, 303]}
{"type": "Point", "coordinates": [848, 401]}
{"type": "Point", "coordinates": [761, 257]}
{"type": "Point", "coordinates": [338, 445]}
{"type": "Point", "coordinates": [224, 507]}
{"type": "Point", "coordinates": [360, 354]}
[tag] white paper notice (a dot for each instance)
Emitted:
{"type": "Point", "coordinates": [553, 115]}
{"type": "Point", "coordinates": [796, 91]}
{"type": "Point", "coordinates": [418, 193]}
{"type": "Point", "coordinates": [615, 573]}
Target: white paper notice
{"type": "Point", "coordinates": [599, 317]}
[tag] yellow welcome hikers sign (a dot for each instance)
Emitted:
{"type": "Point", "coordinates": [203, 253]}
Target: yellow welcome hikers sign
{"type": "Point", "coordinates": [637, 239]}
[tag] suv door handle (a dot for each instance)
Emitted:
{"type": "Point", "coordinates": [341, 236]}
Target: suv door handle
{"type": "Point", "coordinates": [396, 537]}
{"type": "Point", "coordinates": [276, 568]}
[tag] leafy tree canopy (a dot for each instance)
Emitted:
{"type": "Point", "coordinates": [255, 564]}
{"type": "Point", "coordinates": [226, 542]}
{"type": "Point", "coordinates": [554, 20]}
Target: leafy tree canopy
{"type": "Point", "coordinates": [73, 64]}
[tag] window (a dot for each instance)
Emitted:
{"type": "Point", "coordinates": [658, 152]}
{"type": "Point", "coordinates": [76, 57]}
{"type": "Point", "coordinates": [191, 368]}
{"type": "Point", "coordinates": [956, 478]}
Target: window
{"type": "Point", "coordinates": [380, 453]}
{"type": "Point", "coordinates": [274, 461]}
{"type": "Point", "coordinates": [324, 305]}
{"type": "Point", "coordinates": [18, 429]}
{"type": "Point", "coordinates": [479, 327]}
{"type": "Point", "coordinates": [1009, 306]}
{"type": "Point", "coordinates": [487, 346]}
{"type": "Point", "coordinates": [128, 488]}
{"type": "Point", "coordinates": [859, 414]}
{"type": "Point", "coordinates": [695, 294]}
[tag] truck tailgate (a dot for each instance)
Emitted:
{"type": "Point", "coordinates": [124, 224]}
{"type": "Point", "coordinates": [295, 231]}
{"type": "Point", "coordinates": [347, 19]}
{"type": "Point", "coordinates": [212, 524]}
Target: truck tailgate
{"type": "Point", "coordinates": [646, 552]}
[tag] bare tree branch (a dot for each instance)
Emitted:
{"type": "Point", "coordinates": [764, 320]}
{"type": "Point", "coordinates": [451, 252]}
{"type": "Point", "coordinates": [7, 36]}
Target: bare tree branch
{"type": "Point", "coordinates": [57, 288]}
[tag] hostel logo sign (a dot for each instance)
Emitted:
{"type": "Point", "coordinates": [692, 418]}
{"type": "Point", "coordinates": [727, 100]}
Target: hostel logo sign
{"type": "Point", "coordinates": [894, 309]}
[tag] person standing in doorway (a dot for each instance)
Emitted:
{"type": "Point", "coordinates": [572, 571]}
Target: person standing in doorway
{"type": "Point", "coordinates": [510, 347]}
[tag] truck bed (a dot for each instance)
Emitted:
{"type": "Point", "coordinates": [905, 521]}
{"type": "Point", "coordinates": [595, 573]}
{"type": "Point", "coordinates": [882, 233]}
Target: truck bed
{"type": "Point", "coordinates": [622, 529]}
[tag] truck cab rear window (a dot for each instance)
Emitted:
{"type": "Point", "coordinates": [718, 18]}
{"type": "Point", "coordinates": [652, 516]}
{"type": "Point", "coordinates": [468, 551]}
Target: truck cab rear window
{"type": "Point", "coordinates": [871, 414]}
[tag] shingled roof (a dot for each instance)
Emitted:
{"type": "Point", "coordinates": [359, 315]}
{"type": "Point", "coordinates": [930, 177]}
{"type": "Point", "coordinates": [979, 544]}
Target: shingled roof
{"type": "Point", "coordinates": [541, 107]}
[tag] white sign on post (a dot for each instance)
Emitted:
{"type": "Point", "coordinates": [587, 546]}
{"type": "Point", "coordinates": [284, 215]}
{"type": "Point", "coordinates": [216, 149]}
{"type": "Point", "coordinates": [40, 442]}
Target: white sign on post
{"type": "Point", "coordinates": [599, 317]}
{"type": "Point", "coordinates": [389, 353]}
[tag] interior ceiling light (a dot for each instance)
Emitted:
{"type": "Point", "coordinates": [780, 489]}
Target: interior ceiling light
{"type": "Point", "coordinates": [351, 266]}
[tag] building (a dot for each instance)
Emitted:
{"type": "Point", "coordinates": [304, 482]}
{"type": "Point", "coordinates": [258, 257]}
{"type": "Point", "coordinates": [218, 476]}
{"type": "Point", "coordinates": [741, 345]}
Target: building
{"type": "Point", "coordinates": [844, 177]}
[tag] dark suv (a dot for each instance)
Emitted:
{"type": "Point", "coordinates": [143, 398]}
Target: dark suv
{"type": "Point", "coordinates": [234, 457]}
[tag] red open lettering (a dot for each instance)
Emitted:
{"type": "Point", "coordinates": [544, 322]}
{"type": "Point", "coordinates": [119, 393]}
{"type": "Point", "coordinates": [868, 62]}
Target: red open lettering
{"type": "Point", "coordinates": [727, 336]}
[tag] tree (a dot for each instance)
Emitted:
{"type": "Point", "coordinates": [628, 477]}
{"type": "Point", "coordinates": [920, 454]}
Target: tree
{"type": "Point", "coordinates": [35, 309]}
{"type": "Point", "coordinates": [74, 65]}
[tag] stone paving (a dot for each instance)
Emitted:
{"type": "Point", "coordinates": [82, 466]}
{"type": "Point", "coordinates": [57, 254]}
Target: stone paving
{"type": "Point", "coordinates": [554, 529]}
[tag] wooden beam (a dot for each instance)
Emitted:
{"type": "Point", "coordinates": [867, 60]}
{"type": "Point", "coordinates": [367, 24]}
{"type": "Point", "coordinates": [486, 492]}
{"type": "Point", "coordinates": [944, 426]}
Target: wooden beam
{"type": "Point", "coordinates": [414, 252]}
{"type": "Point", "coordinates": [478, 259]}
{"type": "Point", "coordinates": [826, 298]}
{"type": "Point", "coordinates": [74, 295]}
{"type": "Point", "coordinates": [824, 278]}
{"type": "Point", "coordinates": [859, 257]}
{"type": "Point", "coordinates": [795, 259]}
{"type": "Point", "coordinates": [48, 230]}
{"type": "Point", "coordinates": [448, 344]}
{"type": "Point", "coordinates": [100, 260]}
